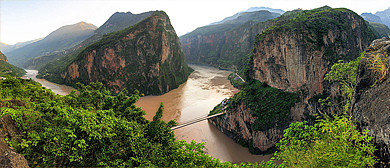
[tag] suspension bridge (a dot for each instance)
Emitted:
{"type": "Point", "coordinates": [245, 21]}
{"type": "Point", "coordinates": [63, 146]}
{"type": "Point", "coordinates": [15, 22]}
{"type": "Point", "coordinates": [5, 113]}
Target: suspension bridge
{"type": "Point", "coordinates": [196, 120]}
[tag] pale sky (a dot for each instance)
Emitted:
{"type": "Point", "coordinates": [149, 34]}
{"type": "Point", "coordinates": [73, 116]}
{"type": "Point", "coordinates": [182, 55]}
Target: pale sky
{"type": "Point", "coordinates": [24, 20]}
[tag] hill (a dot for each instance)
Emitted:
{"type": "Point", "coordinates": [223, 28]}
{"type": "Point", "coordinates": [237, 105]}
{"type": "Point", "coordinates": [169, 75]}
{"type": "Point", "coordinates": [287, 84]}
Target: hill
{"type": "Point", "coordinates": [60, 39]}
{"type": "Point", "coordinates": [118, 21]}
{"type": "Point", "coordinates": [146, 56]}
{"type": "Point", "coordinates": [224, 45]}
{"type": "Point", "coordinates": [8, 69]}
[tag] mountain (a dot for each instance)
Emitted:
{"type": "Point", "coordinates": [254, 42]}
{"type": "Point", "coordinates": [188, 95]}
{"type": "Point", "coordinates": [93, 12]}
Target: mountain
{"type": "Point", "coordinates": [371, 17]}
{"type": "Point", "coordinates": [5, 48]}
{"type": "Point", "coordinates": [8, 69]}
{"type": "Point", "coordinates": [385, 16]}
{"type": "Point", "coordinates": [146, 56]}
{"type": "Point", "coordinates": [286, 71]}
{"type": "Point", "coordinates": [381, 29]}
{"type": "Point", "coordinates": [225, 45]}
{"type": "Point", "coordinates": [60, 39]}
{"type": "Point", "coordinates": [118, 21]}
{"type": "Point", "coordinates": [252, 9]}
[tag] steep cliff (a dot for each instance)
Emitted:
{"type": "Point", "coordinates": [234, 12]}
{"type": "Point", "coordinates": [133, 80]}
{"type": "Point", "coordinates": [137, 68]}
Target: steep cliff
{"type": "Point", "coordinates": [225, 45]}
{"type": "Point", "coordinates": [147, 57]}
{"type": "Point", "coordinates": [293, 56]}
{"type": "Point", "coordinates": [370, 102]}
{"type": "Point", "coordinates": [56, 63]}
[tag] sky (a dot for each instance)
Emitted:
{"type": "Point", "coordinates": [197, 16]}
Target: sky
{"type": "Point", "coordinates": [24, 20]}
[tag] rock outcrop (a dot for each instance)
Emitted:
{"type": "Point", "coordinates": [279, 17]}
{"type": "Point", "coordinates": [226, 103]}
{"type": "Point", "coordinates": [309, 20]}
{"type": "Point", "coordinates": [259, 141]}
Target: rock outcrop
{"type": "Point", "coordinates": [8, 156]}
{"type": "Point", "coordinates": [370, 105]}
{"type": "Point", "coordinates": [147, 57]}
{"type": "Point", "coordinates": [293, 56]}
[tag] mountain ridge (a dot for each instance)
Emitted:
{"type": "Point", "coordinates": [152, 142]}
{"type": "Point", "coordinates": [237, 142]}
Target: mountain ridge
{"type": "Point", "coordinates": [62, 38]}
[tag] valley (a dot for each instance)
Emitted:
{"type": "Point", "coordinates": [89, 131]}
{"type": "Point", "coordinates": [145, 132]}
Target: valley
{"type": "Point", "coordinates": [305, 83]}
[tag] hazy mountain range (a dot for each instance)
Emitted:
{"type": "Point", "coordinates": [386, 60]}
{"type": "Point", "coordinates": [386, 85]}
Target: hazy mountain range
{"type": "Point", "coordinates": [60, 39]}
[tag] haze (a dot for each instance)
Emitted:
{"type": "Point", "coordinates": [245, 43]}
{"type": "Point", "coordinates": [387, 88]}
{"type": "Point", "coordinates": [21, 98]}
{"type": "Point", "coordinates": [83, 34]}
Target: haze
{"type": "Point", "coordinates": [32, 19]}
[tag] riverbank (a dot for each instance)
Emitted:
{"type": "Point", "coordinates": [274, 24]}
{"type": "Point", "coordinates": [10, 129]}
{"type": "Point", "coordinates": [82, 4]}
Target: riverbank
{"type": "Point", "coordinates": [56, 88]}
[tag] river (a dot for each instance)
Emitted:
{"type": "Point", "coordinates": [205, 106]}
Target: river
{"type": "Point", "coordinates": [56, 88]}
{"type": "Point", "coordinates": [205, 88]}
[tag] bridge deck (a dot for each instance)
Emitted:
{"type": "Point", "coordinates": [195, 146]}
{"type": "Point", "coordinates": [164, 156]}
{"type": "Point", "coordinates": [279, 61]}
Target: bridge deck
{"type": "Point", "coordinates": [196, 120]}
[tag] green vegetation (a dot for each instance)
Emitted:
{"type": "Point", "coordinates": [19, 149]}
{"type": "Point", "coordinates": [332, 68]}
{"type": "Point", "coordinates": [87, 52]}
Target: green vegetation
{"type": "Point", "coordinates": [7, 69]}
{"type": "Point", "coordinates": [222, 48]}
{"type": "Point", "coordinates": [331, 142]}
{"type": "Point", "coordinates": [270, 106]}
{"type": "Point", "coordinates": [141, 57]}
{"type": "Point", "coordinates": [345, 74]}
{"type": "Point", "coordinates": [93, 129]}
{"type": "Point", "coordinates": [235, 81]}
{"type": "Point", "coordinates": [381, 29]}
{"type": "Point", "coordinates": [379, 63]}
{"type": "Point", "coordinates": [313, 25]}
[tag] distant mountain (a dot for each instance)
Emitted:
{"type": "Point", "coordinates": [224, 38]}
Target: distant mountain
{"type": "Point", "coordinates": [8, 69]}
{"type": "Point", "coordinates": [61, 39]}
{"type": "Point", "coordinates": [381, 29]}
{"type": "Point", "coordinates": [252, 9]}
{"type": "Point", "coordinates": [385, 16]}
{"type": "Point", "coordinates": [225, 45]}
{"type": "Point", "coordinates": [5, 48]}
{"type": "Point", "coordinates": [371, 17]}
{"type": "Point", "coordinates": [118, 21]}
{"type": "Point", "coordinates": [146, 56]}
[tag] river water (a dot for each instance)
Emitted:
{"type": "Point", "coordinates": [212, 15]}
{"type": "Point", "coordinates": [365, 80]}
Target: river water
{"type": "Point", "coordinates": [56, 88]}
{"type": "Point", "coordinates": [205, 88]}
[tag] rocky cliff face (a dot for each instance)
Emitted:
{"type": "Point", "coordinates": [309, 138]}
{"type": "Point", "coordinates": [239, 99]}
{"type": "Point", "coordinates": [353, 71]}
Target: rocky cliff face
{"type": "Point", "coordinates": [370, 104]}
{"type": "Point", "coordinates": [147, 57]}
{"type": "Point", "coordinates": [293, 56]}
{"type": "Point", "coordinates": [225, 45]}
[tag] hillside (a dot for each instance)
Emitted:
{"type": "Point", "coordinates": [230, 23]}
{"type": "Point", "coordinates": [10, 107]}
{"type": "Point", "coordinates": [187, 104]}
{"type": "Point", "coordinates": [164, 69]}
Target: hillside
{"type": "Point", "coordinates": [381, 29]}
{"type": "Point", "coordinates": [60, 39]}
{"type": "Point", "coordinates": [286, 73]}
{"type": "Point", "coordinates": [118, 21]}
{"type": "Point", "coordinates": [224, 45]}
{"type": "Point", "coordinates": [146, 57]}
{"type": "Point", "coordinates": [8, 69]}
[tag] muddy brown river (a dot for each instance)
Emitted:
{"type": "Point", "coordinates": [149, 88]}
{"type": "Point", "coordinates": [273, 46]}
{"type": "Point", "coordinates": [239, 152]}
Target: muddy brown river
{"type": "Point", "coordinates": [205, 88]}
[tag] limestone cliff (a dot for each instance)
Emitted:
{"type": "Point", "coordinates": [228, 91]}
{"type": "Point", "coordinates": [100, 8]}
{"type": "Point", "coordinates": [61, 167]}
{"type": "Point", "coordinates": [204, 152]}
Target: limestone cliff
{"type": "Point", "coordinates": [226, 45]}
{"type": "Point", "coordinates": [370, 105]}
{"type": "Point", "coordinates": [147, 57]}
{"type": "Point", "coordinates": [293, 56]}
